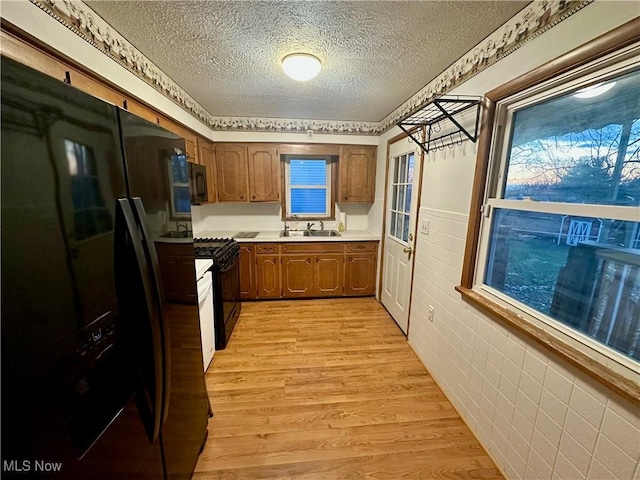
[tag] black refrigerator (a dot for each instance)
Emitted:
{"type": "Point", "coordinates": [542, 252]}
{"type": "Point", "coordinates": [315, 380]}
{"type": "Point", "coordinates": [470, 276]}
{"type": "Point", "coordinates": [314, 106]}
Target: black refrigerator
{"type": "Point", "coordinates": [101, 377]}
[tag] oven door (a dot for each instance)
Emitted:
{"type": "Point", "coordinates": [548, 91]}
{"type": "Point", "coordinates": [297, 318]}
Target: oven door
{"type": "Point", "coordinates": [198, 183]}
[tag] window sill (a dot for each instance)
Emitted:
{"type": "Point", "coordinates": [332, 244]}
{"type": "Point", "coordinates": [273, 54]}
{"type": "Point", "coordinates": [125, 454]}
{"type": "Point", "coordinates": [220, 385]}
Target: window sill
{"type": "Point", "coordinates": [309, 219]}
{"type": "Point", "coordinates": [604, 374]}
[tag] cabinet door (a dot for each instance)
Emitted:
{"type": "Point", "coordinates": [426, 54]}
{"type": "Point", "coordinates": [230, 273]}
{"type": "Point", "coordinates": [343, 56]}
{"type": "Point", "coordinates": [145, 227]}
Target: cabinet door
{"type": "Point", "coordinates": [178, 278]}
{"type": "Point", "coordinates": [328, 275]}
{"type": "Point", "coordinates": [297, 276]}
{"type": "Point", "coordinates": [264, 173]}
{"type": "Point", "coordinates": [360, 274]}
{"type": "Point", "coordinates": [231, 173]}
{"type": "Point", "coordinates": [247, 272]}
{"type": "Point", "coordinates": [357, 174]}
{"type": "Point", "coordinates": [97, 89]}
{"type": "Point", "coordinates": [191, 147]}
{"type": "Point", "coordinates": [205, 155]}
{"type": "Point", "coordinates": [268, 276]}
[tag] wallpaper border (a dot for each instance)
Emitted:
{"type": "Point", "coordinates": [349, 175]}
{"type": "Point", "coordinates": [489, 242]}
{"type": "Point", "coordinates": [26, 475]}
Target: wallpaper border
{"type": "Point", "coordinates": [529, 23]}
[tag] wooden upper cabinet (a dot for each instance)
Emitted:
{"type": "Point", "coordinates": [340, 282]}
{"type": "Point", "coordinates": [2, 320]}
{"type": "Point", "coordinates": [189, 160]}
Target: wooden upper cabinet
{"type": "Point", "coordinates": [357, 174]}
{"type": "Point", "coordinates": [97, 89]}
{"type": "Point", "coordinates": [205, 155]}
{"type": "Point", "coordinates": [231, 172]}
{"type": "Point", "coordinates": [264, 173]}
{"type": "Point", "coordinates": [191, 147]}
{"type": "Point", "coordinates": [149, 115]}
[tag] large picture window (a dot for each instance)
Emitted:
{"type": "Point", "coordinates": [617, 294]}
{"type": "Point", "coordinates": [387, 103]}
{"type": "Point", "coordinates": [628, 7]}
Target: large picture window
{"type": "Point", "coordinates": [554, 247]}
{"type": "Point", "coordinates": [308, 186]}
{"type": "Point", "coordinates": [550, 246]}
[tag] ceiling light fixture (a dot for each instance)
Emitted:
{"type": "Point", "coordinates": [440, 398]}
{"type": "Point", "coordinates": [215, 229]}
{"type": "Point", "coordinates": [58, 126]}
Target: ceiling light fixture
{"type": "Point", "coordinates": [594, 90]}
{"type": "Point", "coordinates": [301, 66]}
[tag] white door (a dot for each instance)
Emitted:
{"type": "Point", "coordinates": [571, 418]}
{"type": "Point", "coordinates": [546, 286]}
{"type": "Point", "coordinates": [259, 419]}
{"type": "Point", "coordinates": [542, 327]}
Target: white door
{"type": "Point", "coordinates": [402, 203]}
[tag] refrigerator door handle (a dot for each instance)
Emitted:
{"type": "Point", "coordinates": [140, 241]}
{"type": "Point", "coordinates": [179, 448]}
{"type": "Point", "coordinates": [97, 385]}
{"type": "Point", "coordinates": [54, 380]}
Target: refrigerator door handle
{"type": "Point", "coordinates": [154, 395]}
{"type": "Point", "coordinates": [158, 292]}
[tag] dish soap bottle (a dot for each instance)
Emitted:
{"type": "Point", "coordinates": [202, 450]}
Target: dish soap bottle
{"type": "Point", "coordinates": [341, 227]}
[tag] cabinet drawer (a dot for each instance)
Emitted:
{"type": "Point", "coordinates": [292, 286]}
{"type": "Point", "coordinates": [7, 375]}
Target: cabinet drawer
{"type": "Point", "coordinates": [362, 247]}
{"type": "Point", "coordinates": [324, 247]}
{"type": "Point", "coordinates": [267, 249]}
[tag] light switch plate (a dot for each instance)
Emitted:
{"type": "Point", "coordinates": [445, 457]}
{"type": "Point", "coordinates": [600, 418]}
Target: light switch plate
{"type": "Point", "coordinates": [424, 226]}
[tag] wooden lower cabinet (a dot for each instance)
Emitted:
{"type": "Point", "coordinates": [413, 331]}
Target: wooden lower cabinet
{"type": "Point", "coordinates": [268, 276]}
{"type": "Point", "coordinates": [328, 274]}
{"type": "Point", "coordinates": [178, 272]}
{"type": "Point", "coordinates": [360, 274]}
{"type": "Point", "coordinates": [307, 269]}
{"type": "Point", "coordinates": [297, 276]}
{"type": "Point", "coordinates": [312, 275]}
{"type": "Point", "coordinates": [247, 271]}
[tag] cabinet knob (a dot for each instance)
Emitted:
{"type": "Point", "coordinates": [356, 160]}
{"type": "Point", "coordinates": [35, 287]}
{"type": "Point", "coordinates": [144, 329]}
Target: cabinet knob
{"type": "Point", "coordinates": [346, 197]}
{"type": "Point", "coordinates": [253, 197]}
{"type": "Point", "coordinates": [241, 197]}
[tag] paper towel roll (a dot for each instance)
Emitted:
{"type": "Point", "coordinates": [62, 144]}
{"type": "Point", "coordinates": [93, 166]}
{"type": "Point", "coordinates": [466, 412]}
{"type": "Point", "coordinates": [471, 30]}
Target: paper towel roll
{"type": "Point", "coordinates": [162, 220]}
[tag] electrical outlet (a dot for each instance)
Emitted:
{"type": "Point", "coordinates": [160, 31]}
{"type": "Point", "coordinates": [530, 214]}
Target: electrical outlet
{"type": "Point", "coordinates": [424, 226]}
{"type": "Point", "coordinates": [431, 312]}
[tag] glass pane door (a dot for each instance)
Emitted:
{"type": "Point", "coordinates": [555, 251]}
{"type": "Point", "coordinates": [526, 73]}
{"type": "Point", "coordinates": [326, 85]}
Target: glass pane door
{"type": "Point", "coordinates": [400, 201]}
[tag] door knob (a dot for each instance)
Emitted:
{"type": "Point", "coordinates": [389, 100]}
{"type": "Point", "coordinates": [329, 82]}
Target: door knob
{"type": "Point", "coordinates": [407, 250]}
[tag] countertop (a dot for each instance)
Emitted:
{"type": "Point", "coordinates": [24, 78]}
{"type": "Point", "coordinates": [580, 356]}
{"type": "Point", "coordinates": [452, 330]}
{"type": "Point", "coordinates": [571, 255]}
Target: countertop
{"type": "Point", "coordinates": [274, 236]}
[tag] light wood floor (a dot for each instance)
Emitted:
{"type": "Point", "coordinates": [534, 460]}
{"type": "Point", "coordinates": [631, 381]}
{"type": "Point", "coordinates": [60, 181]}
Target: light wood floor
{"type": "Point", "coordinates": [329, 389]}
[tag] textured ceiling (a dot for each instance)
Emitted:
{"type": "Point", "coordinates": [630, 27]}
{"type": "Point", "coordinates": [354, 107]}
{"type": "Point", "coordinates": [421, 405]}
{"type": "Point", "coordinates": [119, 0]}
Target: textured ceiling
{"type": "Point", "coordinates": [375, 54]}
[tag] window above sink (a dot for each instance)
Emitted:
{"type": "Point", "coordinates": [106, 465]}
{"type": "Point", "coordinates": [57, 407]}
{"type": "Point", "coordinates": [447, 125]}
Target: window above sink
{"type": "Point", "coordinates": [309, 190]}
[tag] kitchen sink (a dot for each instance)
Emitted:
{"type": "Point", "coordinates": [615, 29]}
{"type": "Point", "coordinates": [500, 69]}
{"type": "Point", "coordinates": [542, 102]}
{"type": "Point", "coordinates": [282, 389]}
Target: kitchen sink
{"type": "Point", "coordinates": [322, 233]}
{"type": "Point", "coordinates": [309, 233]}
{"type": "Point", "coordinates": [175, 234]}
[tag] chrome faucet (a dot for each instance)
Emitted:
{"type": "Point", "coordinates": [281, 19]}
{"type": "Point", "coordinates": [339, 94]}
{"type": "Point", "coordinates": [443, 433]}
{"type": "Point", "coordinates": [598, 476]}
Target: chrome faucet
{"type": "Point", "coordinates": [184, 226]}
{"type": "Point", "coordinates": [309, 225]}
{"type": "Point", "coordinates": [321, 225]}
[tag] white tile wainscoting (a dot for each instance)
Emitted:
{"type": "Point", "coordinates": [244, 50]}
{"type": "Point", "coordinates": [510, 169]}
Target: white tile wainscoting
{"type": "Point", "coordinates": [537, 415]}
